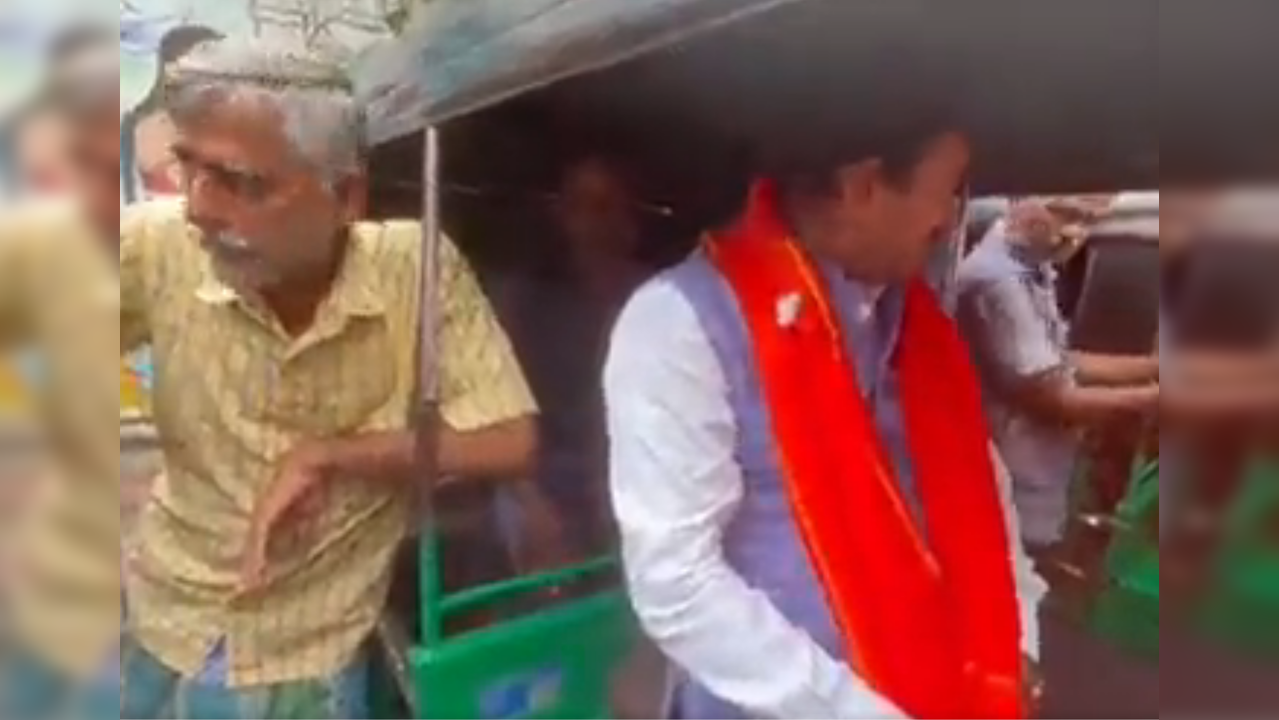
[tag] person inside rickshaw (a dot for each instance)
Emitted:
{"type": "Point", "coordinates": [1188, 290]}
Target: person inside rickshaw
{"type": "Point", "coordinates": [584, 240]}
{"type": "Point", "coordinates": [1039, 393]}
{"type": "Point", "coordinates": [559, 313]}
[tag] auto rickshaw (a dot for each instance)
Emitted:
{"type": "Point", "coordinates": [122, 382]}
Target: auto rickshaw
{"type": "Point", "coordinates": [1112, 540]}
{"type": "Point", "coordinates": [706, 89]}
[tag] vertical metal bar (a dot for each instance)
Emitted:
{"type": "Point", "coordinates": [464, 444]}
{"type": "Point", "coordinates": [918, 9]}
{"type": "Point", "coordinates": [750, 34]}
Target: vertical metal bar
{"type": "Point", "coordinates": [425, 420]}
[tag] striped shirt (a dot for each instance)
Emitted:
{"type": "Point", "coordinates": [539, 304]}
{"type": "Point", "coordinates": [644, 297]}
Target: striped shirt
{"type": "Point", "coordinates": [234, 393]}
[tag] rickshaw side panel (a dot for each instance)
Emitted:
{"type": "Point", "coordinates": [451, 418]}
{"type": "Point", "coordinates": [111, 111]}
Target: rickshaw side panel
{"type": "Point", "coordinates": [557, 663]}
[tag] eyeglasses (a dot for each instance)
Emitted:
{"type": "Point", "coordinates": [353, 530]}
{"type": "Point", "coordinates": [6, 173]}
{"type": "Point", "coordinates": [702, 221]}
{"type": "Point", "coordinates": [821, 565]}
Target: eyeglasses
{"type": "Point", "coordinates": [244, 184]}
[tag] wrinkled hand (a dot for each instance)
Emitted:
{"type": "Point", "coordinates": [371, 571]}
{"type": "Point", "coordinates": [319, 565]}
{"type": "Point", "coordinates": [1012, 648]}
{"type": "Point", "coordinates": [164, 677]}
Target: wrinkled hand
{"type": "Point", "coordinates": [294, 495]}
{"type": "Point", "coordinates": [1052, 221]}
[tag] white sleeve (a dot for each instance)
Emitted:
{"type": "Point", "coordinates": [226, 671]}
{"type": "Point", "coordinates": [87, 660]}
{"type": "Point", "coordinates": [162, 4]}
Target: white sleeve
{"type": "Point", "coordinates": [675, 486]}
{"type": "Point", "coordinates": [1031, 587]}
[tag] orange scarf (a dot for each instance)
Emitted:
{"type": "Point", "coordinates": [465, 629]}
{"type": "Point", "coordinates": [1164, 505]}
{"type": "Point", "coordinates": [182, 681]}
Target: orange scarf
{"type": "Point", "coordinates": [932, 624]}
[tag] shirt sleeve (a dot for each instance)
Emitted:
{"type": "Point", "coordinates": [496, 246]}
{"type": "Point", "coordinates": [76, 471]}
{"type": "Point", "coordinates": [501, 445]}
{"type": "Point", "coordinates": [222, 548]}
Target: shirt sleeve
{"type": "Point", "coordinates": [1031, 587]}
{"type": "Point", "coordinates": [481, 383]}
{"type": "Point", "coordinates": [1008, 335]}
{"type": "Point", "coordinates": [139, 265]}
{"type": "Point", "coordinates": [675, 487]}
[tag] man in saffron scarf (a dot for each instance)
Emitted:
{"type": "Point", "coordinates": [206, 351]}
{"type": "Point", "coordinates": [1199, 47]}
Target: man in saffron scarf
{"type": "Point", "coordinates": [812, 517]}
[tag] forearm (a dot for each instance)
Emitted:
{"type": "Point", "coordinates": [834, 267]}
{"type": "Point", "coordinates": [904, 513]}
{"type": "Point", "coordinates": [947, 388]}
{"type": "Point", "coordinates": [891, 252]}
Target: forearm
{"type": "Point", "coordinates": [1114, 370]}
{"type": "Point", "coordinates": [505, 448]}
{"type": "Point", "coordinates": [1244, 369]}
{"type": "Point", "coordinates": [1070, 405]}
{"type": "Point", "coordinates": [1201, 404]}
{"type": "Point", "coordinates": [1093, 405]}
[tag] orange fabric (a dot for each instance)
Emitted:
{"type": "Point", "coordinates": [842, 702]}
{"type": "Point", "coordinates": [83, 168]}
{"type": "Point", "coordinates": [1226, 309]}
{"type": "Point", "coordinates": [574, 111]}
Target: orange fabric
{"type": "Point", "coordinates": [932, 625]}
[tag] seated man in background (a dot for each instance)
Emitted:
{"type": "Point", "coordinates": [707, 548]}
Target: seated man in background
{"type": "Point", "coordinates": [1039, 394]}
{"type": "Point", "coordinates": [559, 317]}
{"type": "Point", "coordinates": [285, 336]}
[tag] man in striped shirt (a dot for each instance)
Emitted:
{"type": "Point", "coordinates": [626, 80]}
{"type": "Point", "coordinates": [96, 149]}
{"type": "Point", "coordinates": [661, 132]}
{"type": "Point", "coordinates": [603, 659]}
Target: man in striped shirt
{"type": "Point", "coordinates": [284, 335]}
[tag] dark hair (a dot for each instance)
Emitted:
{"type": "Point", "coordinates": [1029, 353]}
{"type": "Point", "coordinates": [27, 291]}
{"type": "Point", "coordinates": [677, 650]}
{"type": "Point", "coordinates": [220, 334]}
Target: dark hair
{"type": "Point", "coordinates": [578, 161]}
{"type": "Point", "coordinates": [181, 40]}
{"type": "Point", "coordinates": [895, 120]}
{"type": "Point", "coordinates": [899, 151]}
{"type": "Point", "coordinates": [175, 44]}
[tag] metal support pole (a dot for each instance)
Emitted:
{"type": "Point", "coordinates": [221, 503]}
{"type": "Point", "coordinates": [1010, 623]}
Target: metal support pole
{"type": "Point", "coordinates": [393, 635]}
{"type": "Point", "coordinates": [426, 413]}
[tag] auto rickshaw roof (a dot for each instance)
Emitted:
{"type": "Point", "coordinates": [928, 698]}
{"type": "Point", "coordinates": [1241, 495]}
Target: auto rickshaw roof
{"type": "Point", "coordinates": [1059, 96]}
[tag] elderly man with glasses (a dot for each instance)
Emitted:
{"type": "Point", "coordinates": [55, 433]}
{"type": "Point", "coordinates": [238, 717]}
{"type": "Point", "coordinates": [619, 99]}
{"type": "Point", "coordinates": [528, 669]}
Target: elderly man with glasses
{"type": "Point", "coordinates": [285, 335]}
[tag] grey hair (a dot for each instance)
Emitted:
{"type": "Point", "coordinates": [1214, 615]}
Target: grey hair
{"type": "Point", "coordinates": [323, 120]}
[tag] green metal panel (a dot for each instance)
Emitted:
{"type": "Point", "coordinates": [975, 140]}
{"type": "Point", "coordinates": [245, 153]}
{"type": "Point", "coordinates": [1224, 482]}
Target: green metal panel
{"type": "Point", "coordinates": [1127, 612]}
{"type": "Point", "coordinates": [1243, 609]}
{"type": "Point", "coordinates": [554, 662]}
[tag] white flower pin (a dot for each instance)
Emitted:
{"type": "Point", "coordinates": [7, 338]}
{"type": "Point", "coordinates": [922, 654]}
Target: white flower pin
{"type": "Point", "coordinates": [788, 307]}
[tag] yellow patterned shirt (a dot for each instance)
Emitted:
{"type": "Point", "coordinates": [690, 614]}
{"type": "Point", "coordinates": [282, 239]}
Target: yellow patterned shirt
{"type": "Point", "coordinates": [233, 393]}
{"type": "Point", "coordinates": [59, 298]}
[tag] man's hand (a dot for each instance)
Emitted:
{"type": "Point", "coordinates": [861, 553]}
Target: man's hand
{"type": "Point", "coordinates": [1054, 222]}
{"type": "Point", "coordinates": [294, 495]}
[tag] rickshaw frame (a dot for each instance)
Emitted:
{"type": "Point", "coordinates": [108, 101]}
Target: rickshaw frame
{"type": "Point", "coordinates": [461, 89]}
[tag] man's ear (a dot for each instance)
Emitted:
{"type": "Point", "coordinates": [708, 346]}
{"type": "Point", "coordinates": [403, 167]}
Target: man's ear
{"type": "Point", "coordinates": [860, 181]}
{"type": "Point", "coordinates": [352, 192]}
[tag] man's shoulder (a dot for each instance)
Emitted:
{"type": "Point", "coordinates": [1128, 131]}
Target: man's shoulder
{"type": "Point", "coordinates": [38, 235]}
{"type": "Point", "coordinates": [150, 218]}
{"type": "Point", "coordinates": [398, 241]}
{"type": "Point", "coordinates": [664, 305]}
{"type": "Point", "coordinates": [45, 217]}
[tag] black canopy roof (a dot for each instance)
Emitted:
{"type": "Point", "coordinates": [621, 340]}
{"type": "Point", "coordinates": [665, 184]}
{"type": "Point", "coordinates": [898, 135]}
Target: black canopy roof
{"type": "Point", "coordinates": [1060, 95]}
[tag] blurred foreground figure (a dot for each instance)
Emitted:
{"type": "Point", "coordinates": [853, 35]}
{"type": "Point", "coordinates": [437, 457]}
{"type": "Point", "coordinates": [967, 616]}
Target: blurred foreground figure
{"type": "Point", "coordinates": [284, 335]}
{"type": "Point", "coordinates": [1040, 395]}
{"type": "Point", "coordinates": [59, 297]}
{"type": "Point", "coordinates": [1221, 410]}
{"type": "Point", "coordinates": [813, 520]}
